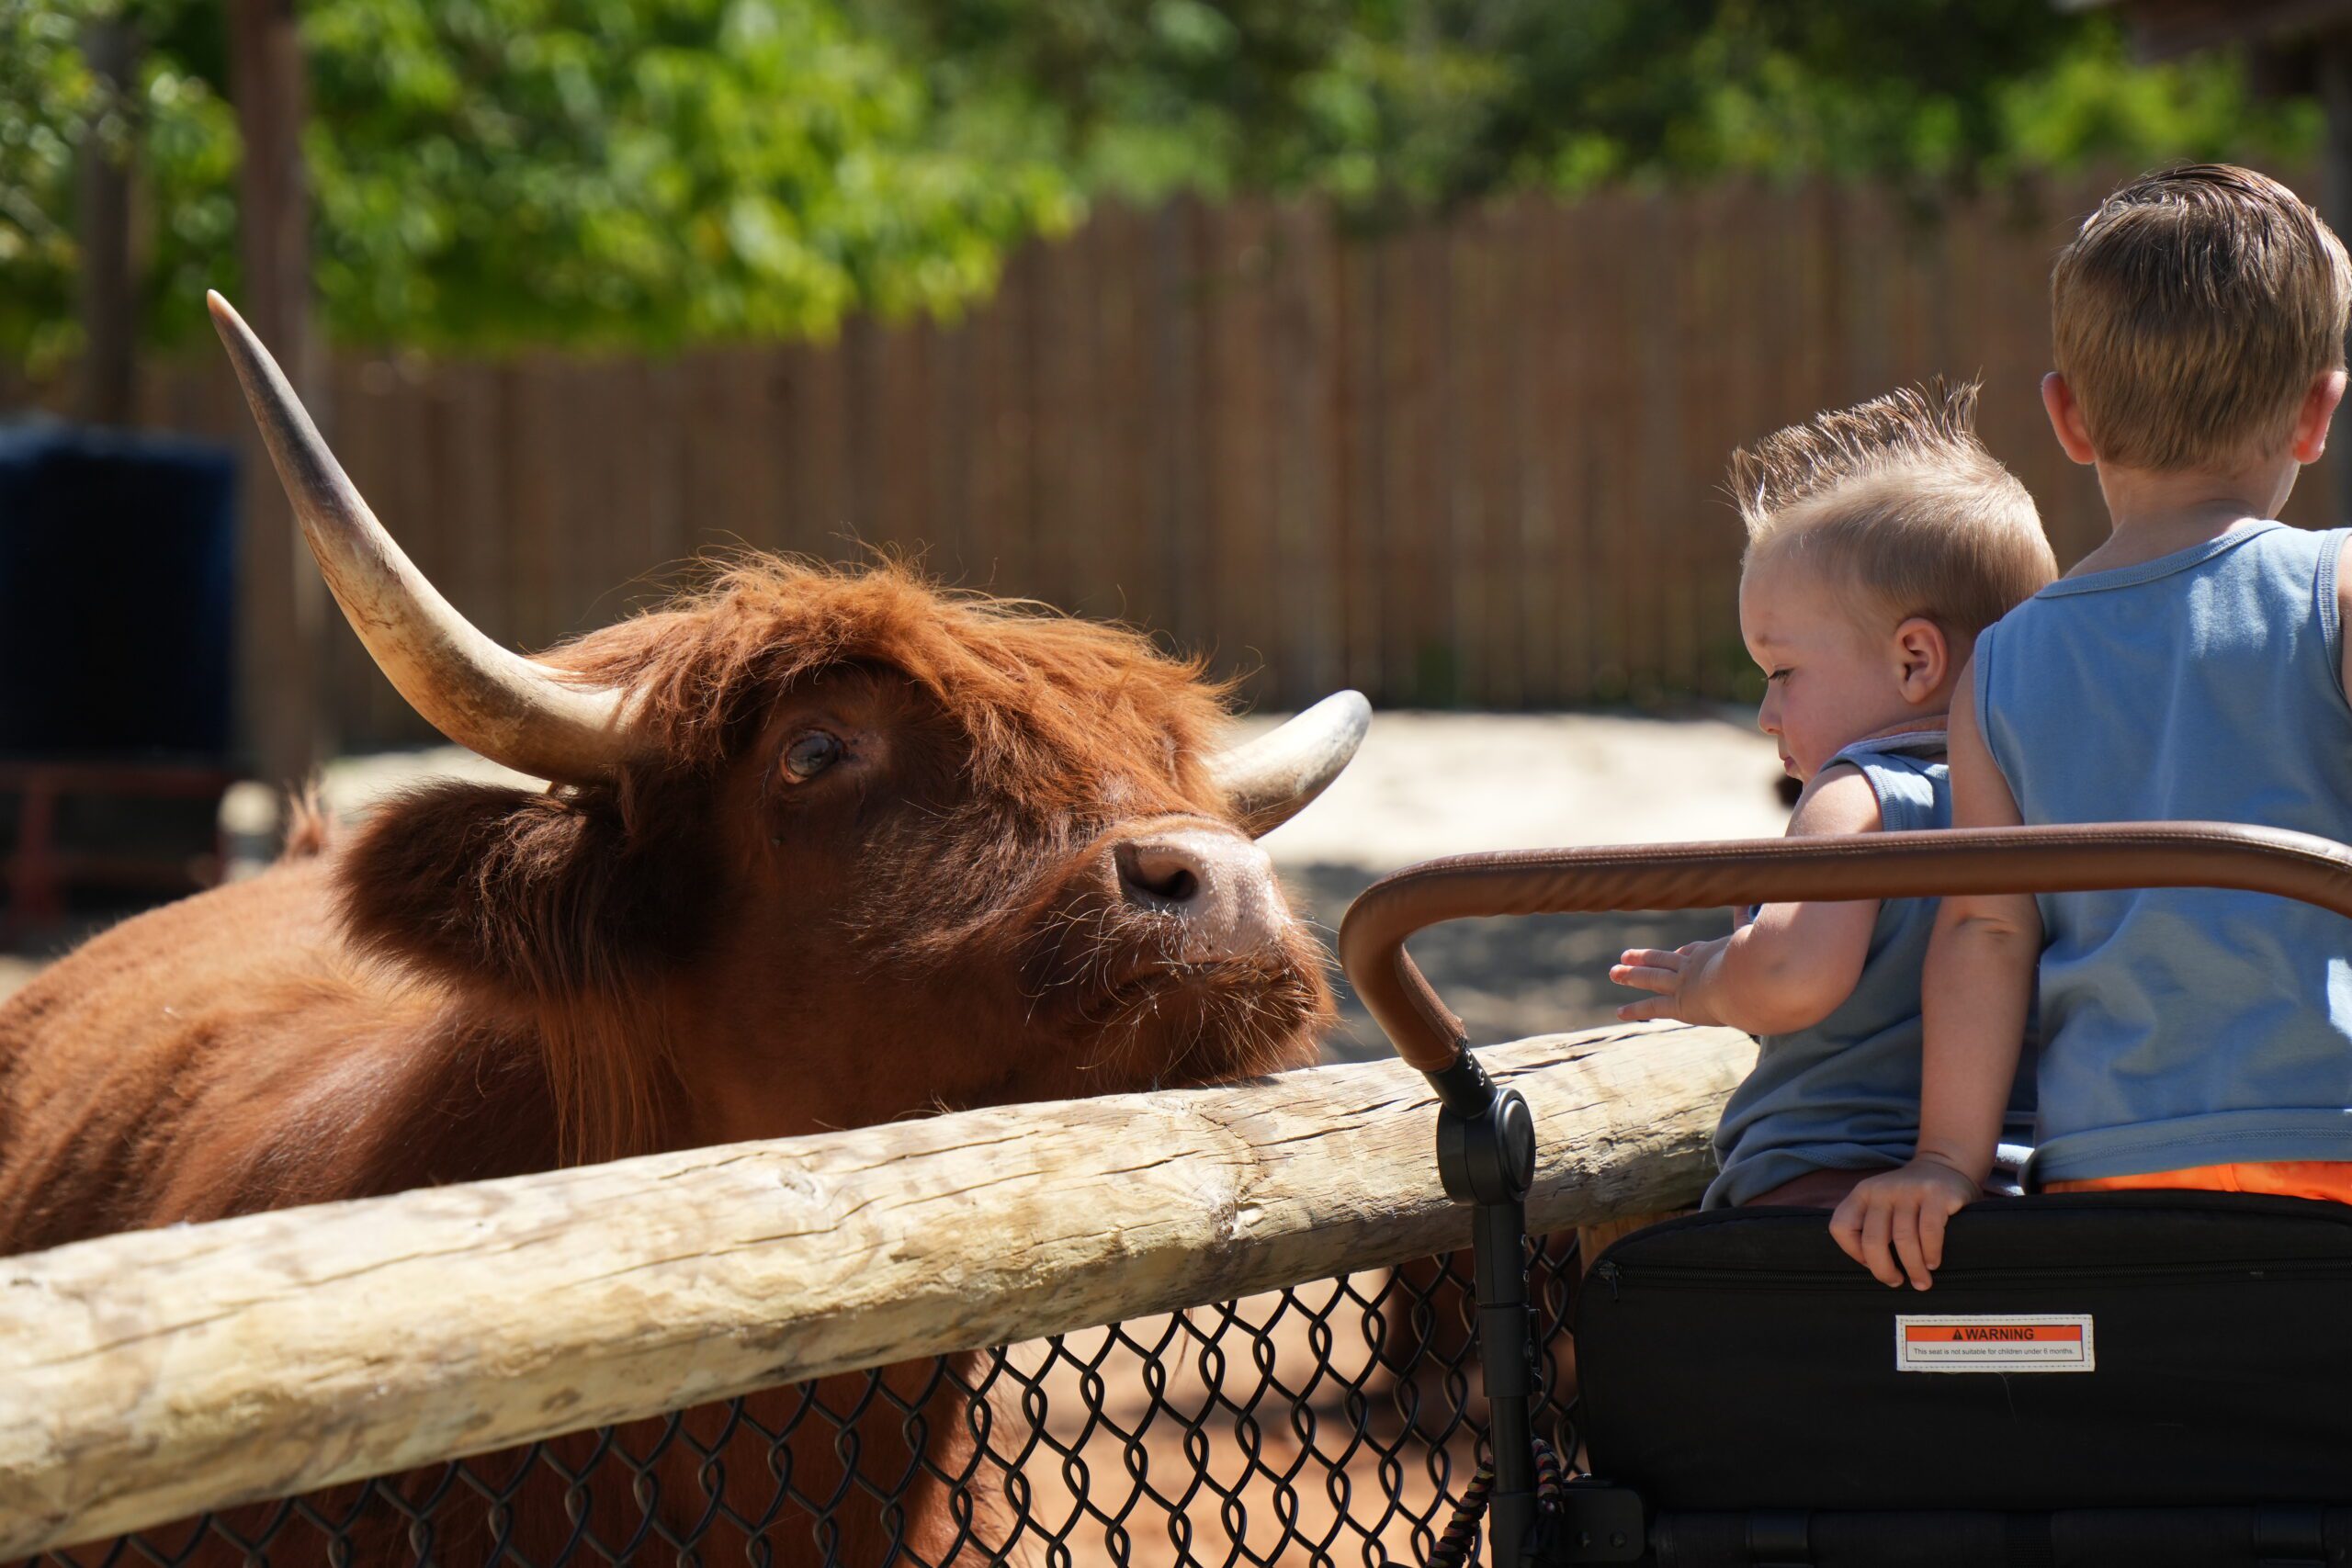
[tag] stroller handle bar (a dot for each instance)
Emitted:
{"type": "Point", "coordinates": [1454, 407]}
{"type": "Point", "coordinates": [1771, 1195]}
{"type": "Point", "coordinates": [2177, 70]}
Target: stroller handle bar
{"type": "Point", "coordinates": [2084, 858]}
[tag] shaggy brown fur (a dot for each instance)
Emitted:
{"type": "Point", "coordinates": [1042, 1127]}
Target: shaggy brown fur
{"type": "Point", "coordinates": [708, 947]}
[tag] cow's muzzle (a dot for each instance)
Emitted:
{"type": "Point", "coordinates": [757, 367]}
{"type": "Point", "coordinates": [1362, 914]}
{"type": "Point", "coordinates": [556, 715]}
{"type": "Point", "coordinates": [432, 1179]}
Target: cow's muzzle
{"type": "Point", "coordinates": [1216, 889]}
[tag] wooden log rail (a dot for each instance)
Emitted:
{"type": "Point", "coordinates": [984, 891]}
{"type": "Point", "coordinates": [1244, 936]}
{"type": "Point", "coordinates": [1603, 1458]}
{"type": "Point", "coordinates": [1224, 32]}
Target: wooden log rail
{"type": "Point", "coordinates": [151, 1376]}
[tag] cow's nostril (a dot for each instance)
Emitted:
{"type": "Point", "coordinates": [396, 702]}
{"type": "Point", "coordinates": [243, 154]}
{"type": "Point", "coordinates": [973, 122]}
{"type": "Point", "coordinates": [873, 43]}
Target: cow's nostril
{"type": "Point", "coordinates": [1180, 886]}
{"type": "Point", "coordinates": [1158, 874]}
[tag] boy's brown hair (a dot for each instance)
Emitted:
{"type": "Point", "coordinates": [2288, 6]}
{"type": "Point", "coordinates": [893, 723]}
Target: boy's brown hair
{"type": "Point", "coordinates": [1898, 499]}
{"type": "Point", "coordinates": [2192, 312]}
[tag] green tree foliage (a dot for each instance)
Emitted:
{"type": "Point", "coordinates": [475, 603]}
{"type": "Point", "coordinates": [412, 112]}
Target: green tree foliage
{"type": "Point", "coordinates": [512, 170]}
{"type": "Point", "coordinates": [1407, 103]}
{"type": "Point", "coordinates": [49, 104]}
{"type": "Point", "coordinates": [492, 173]}
{"type": "Point", "coordinates": [646, 173]}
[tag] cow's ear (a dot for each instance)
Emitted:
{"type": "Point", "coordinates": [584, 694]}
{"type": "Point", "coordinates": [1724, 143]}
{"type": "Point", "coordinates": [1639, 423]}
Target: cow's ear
{"type": "Point", "coordinates": [553, 894]}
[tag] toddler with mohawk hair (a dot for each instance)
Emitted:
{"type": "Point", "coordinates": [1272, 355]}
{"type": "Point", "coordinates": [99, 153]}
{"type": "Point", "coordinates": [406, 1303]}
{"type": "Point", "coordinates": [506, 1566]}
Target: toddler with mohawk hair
{"type": "Point", "coordinates": [1881, 540]}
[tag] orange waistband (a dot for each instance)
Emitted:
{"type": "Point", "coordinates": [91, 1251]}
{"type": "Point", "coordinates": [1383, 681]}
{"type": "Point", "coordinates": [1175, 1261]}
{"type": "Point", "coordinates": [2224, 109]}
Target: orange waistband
{"type": "Point", "coordinates": [2330, 1179]}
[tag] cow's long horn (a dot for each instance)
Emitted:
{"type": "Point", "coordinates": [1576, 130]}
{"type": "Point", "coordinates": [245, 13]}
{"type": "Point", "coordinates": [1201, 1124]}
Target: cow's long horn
{"type": "Point", "coordinates": [1270, 779]}
{"type": "Point", "coordinates": [509, 709]}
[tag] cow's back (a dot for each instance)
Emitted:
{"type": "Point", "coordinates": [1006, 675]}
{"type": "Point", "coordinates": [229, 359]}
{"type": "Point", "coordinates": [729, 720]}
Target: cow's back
{"type": "Point", "coordinates": [230, 1053]}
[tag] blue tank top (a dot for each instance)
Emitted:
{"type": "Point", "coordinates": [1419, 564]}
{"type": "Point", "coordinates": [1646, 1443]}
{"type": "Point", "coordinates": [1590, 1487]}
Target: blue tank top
{"type": "Point", "coordinates": [2185, 1026]}
{"type": "Point", "coordinates": [1844, 1095]}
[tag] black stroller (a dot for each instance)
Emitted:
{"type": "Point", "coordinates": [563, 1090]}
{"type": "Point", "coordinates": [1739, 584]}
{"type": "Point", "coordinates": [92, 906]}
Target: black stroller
{"type": "Point", "coordinates": [1749, 1396]}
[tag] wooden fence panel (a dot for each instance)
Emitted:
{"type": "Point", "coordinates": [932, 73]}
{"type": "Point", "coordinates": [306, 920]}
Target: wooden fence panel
{"type": "Point", "coordinates": [1425, 434]}
{"type": "Point", "coordinates": [1531, 526]}
{"type": "Point", "coordinates": [1001, 492]}
{"type": "Point", "coordinates": [1569, 334]}
{"type": "Point", "coordinates": [1472, 462]}
{"type": "Point", "coordinates": [1487, 620]}
{"type": "Point", "coordinates": [1355, 484]}
{"type": "Point", "coordinates": [1128, 583]}
{"type": "Point", "coordinates": [1310, 566]}
{"type": "Point", "coordinates": [1176, 418]}
{"type": "Point", "coordinates": [1237, 449]}
{"type": "Point", "coordinates": [1622, 311]}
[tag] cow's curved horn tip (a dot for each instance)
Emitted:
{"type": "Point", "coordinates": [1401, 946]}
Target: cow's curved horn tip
{"type": "Point", "coordinates": [226, 322]}
{"type": "Point", "coordinates": [1358, 708]}
{"type": "Point", "coordinates": [1348, 712]}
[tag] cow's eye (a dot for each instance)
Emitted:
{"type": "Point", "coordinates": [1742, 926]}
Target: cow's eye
{"type": "Point", "coordinates": [811, 754]}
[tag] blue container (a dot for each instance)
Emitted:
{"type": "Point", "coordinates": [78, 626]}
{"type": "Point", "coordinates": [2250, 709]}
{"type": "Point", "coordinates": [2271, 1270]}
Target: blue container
{"type": "Point", "coordinates": [118, 594]}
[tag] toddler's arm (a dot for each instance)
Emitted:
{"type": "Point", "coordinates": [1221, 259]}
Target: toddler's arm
{"type": "Point", "coordinates": [1976, 989]}
{"type": "Point", "coordinates": [1789, 967]}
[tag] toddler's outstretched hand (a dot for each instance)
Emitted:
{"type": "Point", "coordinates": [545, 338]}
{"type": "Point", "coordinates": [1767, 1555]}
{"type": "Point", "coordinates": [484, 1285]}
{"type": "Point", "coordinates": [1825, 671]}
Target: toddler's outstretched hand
{"type": "Point", "coordinates": [1892, 1224]}
{"type": "Point", "coordinates": [1677, 975]}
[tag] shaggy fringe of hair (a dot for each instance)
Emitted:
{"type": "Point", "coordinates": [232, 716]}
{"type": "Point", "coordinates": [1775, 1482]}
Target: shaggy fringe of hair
{"type": "Point", "coordinates": [1935, 422]}
{"type": "Point", "coordinates": [1029, 686]}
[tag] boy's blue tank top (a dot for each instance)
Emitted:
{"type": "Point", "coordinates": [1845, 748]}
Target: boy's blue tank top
{"type": "Point", "coordinates": [2185, 1026]}
{"type": "Point", "coordinates": [1844, 1095]}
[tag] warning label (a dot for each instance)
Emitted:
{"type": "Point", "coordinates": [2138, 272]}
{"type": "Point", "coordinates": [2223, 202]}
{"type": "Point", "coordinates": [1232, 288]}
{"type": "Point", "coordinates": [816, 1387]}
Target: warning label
{"type": "Point", "coordinates": [1992, 1344]}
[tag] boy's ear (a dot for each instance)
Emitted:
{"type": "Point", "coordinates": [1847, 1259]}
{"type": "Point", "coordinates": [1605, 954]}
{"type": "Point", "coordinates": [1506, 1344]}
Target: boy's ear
{"type": "Point", "coordinates": [2067, 418]}
{"type": "Point", "coordinates": [2312, 420]}
{"type": "Point", "coordinates": [1923, 659]}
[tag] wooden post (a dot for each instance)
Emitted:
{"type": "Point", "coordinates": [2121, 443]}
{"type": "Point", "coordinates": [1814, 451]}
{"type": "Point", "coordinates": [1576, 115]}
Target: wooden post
{"type": "Point", "coordinates": [108, 277]}
{"type": "Point", "coordinates": [151, 1376]}
{"type": "Point", "coordinates": [282, 619]}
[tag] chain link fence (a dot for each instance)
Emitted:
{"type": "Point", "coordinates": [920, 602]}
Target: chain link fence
{"type": "Point", "coordinates": [1335, 1422]}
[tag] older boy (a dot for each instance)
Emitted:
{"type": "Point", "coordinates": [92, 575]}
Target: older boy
{"type": "Point", "coordinates": [2192, 667]}
{"type": "Point", "coordinates": [1881, 540]}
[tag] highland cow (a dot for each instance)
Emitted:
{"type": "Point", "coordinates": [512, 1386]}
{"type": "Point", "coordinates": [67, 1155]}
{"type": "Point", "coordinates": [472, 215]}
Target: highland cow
{"type": "Point", "coordinates": [822, 848]}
